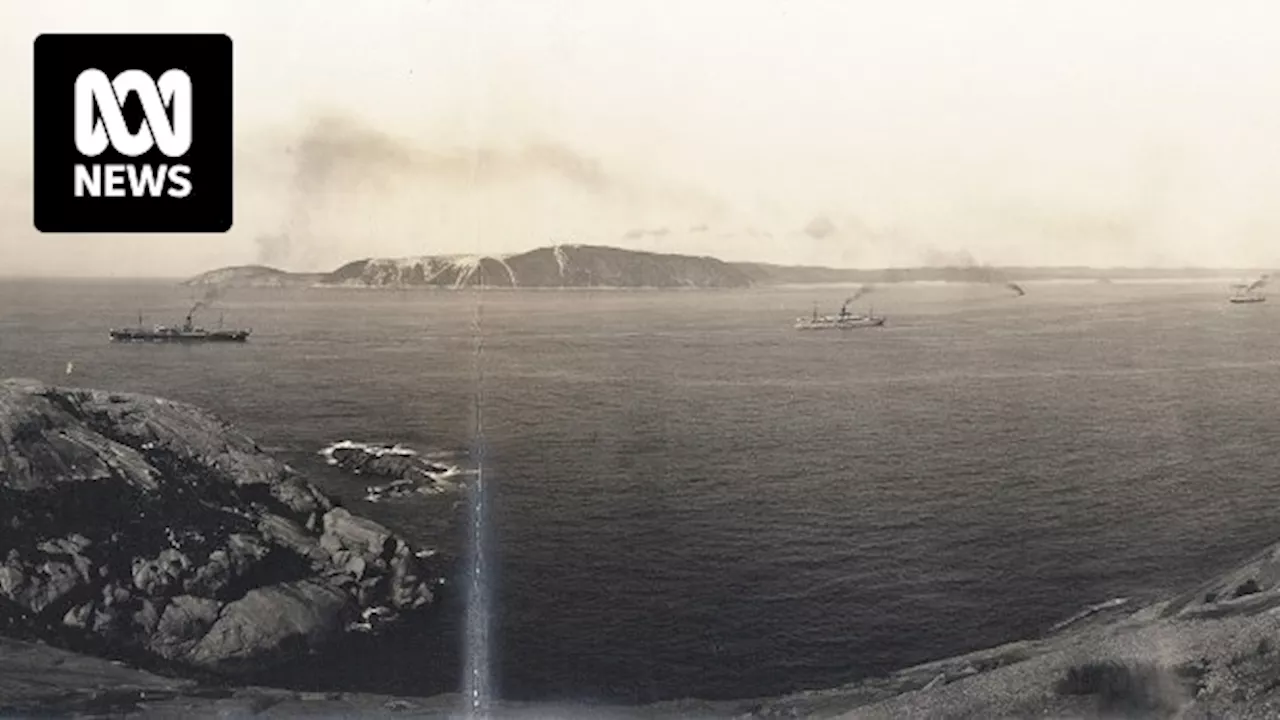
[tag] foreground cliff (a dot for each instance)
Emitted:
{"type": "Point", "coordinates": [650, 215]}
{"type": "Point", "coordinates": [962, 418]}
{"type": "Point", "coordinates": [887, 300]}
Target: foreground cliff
{"type": "Point", "coordinates": [148, 529]}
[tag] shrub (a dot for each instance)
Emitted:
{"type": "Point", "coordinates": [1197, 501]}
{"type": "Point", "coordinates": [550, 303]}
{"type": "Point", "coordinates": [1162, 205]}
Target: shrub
{"type": "Point", "coordinates": [1125, 688]}
{"type": "Point", "coordinates": [1248, 587]}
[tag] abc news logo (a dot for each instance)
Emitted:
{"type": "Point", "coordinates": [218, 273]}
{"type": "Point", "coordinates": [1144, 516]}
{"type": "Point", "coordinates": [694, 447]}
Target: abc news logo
{"type": "Point", "coordinates": [100, 123]}
{"type": "Point", "coordinates": [133, 133]}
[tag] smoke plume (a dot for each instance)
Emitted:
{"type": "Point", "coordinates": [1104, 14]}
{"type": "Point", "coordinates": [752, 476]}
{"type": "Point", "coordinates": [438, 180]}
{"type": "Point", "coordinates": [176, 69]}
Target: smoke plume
{"type": "Point", "coordinates": [862, 291]}
{"type": "Point", "coordinates": [212, 293]}
{"type": "Point", "coordinates": [343, 171]}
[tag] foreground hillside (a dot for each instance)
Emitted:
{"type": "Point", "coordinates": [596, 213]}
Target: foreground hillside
{"type": "Point", "coordinates": [1213, 652]}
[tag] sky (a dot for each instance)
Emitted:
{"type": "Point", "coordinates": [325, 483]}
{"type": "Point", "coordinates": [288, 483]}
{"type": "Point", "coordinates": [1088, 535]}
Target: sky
{"type": "Point", "coordinates": [843, 133]}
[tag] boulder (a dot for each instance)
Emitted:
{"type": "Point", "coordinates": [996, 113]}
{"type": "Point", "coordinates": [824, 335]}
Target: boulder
{"type": "Point", "coordinates": [305, 615]}
{"type": "Point", "coordinates": [185, 622]}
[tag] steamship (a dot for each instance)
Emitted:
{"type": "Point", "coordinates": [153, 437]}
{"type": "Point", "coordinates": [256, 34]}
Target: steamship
{"type": "Point", "coordinates": [845, 320]}
{"type": "Point", "coordinates": [1246, 294]}
{"type": "Point", "coordinates": [187, 332]}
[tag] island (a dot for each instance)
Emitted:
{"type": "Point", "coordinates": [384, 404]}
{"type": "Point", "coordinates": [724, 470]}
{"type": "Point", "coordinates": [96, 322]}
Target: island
{"type": "Point", "coordinates": [599, 266]}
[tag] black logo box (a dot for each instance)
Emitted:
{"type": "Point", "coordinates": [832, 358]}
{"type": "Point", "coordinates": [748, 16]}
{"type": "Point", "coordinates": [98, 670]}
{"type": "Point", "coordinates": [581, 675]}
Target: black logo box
{"type": "Point", "coordinates": [59, 60]}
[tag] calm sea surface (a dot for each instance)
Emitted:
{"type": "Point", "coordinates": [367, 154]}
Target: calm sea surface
{"type": "Point", "coordinates": [693, 499]}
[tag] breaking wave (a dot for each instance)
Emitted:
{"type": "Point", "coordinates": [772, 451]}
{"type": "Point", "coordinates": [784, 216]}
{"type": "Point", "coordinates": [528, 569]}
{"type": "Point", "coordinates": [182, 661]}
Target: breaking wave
{"type": "Point", "coordinates": [1090, 611]}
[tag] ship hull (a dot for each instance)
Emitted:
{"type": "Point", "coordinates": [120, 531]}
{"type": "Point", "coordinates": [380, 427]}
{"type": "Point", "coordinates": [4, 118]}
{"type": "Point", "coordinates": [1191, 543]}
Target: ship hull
{"type": "Point", "coordinates": [849, 325]}
{"type": "Point", "coordinates": [1246, 300]}
{"type": "Point", "coordinates": [179, 337]}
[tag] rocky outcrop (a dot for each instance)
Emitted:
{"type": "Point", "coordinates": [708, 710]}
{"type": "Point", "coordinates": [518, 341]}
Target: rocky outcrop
{"type": "Point", "coordinates": [391, 461]}
{"type": "Point", "coordinates": [409, 473]}
{"type": "Point", "coordinates": [145, 527]}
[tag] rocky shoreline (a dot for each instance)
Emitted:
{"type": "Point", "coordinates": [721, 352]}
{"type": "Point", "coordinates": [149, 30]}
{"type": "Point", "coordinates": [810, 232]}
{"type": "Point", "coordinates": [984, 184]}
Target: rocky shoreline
{"type": "Point", "coordinates": [152, 530]}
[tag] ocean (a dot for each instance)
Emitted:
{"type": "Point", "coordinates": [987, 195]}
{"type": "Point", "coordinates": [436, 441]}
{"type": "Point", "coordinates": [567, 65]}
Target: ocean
{"type": "Point", "coordinates": [692, 499]}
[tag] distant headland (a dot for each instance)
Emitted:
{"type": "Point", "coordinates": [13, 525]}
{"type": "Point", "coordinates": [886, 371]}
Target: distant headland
{"type": "Point", "coordinates": [598, 266]}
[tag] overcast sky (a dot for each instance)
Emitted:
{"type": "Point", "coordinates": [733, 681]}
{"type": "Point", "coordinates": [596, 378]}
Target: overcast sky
{"type": "Point", "coordinates": [1100, 132]}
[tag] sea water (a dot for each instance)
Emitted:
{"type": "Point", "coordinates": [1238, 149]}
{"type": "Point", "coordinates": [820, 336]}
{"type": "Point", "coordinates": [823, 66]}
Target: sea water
{"type": "Point", "coordinates": [688, 498]}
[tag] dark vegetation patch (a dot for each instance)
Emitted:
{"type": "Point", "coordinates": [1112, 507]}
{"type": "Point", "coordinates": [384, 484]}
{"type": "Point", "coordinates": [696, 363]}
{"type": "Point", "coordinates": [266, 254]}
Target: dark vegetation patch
{"type": "Point", "coordinates": [1130, 689]}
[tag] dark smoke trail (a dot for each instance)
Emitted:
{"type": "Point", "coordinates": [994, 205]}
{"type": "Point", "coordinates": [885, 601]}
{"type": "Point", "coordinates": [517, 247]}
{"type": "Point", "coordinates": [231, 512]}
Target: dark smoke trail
{"type": "Point", "coordinates": [1259, 283]}
{"type": "Point", "coordinates": [335, 156]}
{"type": "Point", "coordinates": [212, 293]}
{"type": "Point", "coordinates": [864, 290]}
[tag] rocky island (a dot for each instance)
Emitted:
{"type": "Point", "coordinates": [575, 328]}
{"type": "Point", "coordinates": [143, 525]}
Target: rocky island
{"type": "Point", "coordinates": [569, 266]}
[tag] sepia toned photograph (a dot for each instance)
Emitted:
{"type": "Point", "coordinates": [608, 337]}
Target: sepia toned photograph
{"type": "Point", "coordinates": [570, 359]}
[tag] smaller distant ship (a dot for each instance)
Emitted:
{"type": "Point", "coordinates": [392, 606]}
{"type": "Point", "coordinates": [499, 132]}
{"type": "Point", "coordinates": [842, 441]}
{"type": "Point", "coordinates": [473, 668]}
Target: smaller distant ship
{"type": "Point", "coordinates": [187, 332]}
{"type": "Point", "coordinates": [1247, 294]}
{"type": "Point", "coordinates": [845, 320]}
{"type": "Point", "coordinates": [1250, 292]}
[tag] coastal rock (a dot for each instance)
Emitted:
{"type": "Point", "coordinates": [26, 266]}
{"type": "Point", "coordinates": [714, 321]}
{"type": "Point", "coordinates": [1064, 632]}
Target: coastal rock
{"type": "Point", "coordinates": [304, 614]}
{"type": "Point", "coordinates": [186, 621]}
{"type": "Point", "coordinates": [154, 529]}
{"type": "Point", "coordinates": [392, 461]}
{"type": "Point", "coordinates": [409, 472]}
{"type": "Point", "coordinates": [344, 531]}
